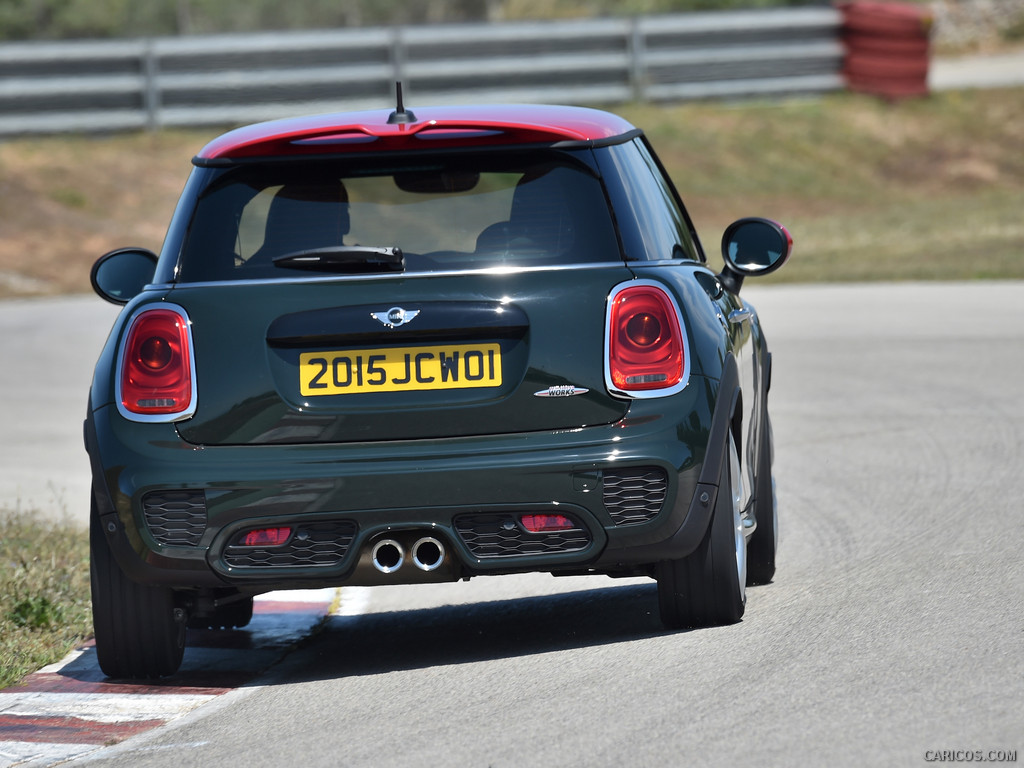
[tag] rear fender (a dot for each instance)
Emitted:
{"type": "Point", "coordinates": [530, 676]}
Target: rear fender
{"type": "Point", "coordinates": [123, 538]}
{"type": "Point", "coordinates": [701, 504]}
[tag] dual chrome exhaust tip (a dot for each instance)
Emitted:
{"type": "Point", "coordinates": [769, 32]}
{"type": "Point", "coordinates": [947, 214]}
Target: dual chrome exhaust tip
{"type": "Point", "coordinates": [388, 555]}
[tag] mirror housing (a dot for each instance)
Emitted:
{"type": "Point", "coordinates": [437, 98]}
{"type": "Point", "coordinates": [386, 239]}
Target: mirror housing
{"type": "Point", "coordinates": [753, 247]}
{"type": "Point", "coordinates": [120, 275]}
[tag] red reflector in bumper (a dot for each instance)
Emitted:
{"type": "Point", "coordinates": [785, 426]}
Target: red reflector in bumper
{"type": "Point", "coordinates": [266, 537]}
{"type": "Point", "coordinates": [544, 523]}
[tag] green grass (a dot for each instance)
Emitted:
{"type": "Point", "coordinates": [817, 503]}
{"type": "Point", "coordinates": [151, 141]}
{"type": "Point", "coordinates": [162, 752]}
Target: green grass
{"type": "Point", "coordinates": [44, 592]}
{"type": "Point", "coordinates": [962, 237]}
{"type": "Point", "coordinates": [926, 189]}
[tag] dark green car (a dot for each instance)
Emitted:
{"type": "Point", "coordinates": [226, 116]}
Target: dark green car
{"type": "Point", "coordinates": [387, 348]}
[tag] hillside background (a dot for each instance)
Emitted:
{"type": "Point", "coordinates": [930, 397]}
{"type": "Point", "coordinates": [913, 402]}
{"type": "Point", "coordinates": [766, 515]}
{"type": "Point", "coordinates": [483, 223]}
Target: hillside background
{"type": "Point", "coordinates": [960, 24]}
{"type": "Point", "coordinates": [37, 19]}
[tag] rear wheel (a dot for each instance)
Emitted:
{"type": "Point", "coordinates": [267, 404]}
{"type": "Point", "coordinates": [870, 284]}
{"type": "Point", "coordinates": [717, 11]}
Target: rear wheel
{"type": "Point", "coordinates": [140, 632]}
{"type": "Point", "coordinates": [708, 587]}
{"type": "Point", "coordinates": [765, 541]}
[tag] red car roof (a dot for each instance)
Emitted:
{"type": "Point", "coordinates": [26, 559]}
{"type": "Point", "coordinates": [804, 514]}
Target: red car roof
{"type": "Point", "coordinates": [461, 126]}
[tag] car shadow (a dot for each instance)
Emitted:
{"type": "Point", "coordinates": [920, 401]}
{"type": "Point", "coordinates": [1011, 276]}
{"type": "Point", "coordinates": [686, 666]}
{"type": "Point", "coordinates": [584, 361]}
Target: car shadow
{"type": "Point", "coordinates": [372, 643]}
{"type": "Point", "coordinates": [375, 643]}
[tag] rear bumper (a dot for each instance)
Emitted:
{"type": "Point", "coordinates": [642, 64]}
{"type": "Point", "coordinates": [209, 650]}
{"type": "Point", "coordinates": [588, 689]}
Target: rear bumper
{"type": "Point", "coordinates": [404, 491]}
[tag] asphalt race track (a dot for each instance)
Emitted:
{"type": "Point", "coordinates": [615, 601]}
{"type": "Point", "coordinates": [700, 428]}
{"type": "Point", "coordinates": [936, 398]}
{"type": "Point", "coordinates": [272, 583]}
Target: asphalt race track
{"type": "Point", "coordinates": [893, 634]}
{"type": "Point", "coordinates": [48, 348]}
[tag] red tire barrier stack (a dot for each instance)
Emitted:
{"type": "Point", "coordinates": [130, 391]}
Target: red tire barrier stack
{"type": "Point", "coordinates": [887, 48]}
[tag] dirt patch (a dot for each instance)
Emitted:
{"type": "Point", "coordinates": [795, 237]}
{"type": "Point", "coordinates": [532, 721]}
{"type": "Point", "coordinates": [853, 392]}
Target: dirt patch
{"type": "Point", "coordinates": [65, 201]}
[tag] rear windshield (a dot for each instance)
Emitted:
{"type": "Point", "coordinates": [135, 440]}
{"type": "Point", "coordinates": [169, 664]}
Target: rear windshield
{"type": "Point", "coordinates": [492, 211]}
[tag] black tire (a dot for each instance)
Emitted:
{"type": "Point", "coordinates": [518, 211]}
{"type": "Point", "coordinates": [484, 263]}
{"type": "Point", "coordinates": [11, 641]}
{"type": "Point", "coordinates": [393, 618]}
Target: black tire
{"type": "Point", "coordinates": [765, 541]}
{"type": "Point", "coordinates": [140, 631]}
{"type": "Point", "coordinates": [708, 588]}
{"type": "Point", "coordinates": [234, 615]}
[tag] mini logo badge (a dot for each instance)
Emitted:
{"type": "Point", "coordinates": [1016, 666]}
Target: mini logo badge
{"type": "Point", "coordinates": [561, 390]}
{"type": "Point", "coordinates": [395, 316]}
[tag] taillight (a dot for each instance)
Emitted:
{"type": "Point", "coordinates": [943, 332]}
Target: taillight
{"type": "Point", "coordinates": [646, 348]}
{"type": "Point", "coordinates": [156, 380]}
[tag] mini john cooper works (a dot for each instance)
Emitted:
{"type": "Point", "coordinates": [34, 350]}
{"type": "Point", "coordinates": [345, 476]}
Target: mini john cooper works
{"type": "Point", "coordinates": [396, 348]}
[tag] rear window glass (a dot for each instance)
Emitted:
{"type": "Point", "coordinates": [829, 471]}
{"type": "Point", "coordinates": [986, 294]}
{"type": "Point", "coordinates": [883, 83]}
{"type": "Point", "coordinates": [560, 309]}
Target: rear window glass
{"type": "Point", "coordinates": [494, 212]}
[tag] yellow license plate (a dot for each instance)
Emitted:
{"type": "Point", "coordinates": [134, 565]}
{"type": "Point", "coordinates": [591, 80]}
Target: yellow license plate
{"type": "Point", "coordinates": [452, 366]}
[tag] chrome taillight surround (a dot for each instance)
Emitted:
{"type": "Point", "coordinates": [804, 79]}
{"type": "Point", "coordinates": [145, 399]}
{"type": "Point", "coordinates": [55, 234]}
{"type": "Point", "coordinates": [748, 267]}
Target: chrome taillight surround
{"type": "Point", "coordinates": [653, 392]}
{"type": "Point", "coordinates": [180, 414]}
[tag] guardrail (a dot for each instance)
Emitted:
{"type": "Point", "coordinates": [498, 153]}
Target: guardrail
{"type": "Point", "coordinates": [229, 79]}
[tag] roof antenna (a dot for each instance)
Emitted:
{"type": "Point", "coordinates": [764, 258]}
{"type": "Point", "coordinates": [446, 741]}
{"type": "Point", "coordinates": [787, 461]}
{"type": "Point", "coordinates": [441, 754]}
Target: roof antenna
{"type": "Point", "coordinates": [400, 116]}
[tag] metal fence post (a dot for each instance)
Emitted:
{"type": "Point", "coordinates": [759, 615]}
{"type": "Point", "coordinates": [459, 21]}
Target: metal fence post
{"type": "Point", "coordinates": [637, 62]}
{"type": "Point", "coordinates": [151, 85]}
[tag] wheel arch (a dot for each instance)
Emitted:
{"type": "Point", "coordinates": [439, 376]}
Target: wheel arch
{"type": "Point", "coordinates": [727, 416]}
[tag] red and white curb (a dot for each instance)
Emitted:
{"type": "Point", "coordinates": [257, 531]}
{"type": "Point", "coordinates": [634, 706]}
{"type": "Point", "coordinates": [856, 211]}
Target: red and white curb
{"type": "Point", "coordinates": [69, 709]}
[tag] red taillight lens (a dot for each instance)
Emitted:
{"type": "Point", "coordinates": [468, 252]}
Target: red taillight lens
{"type": "Point", "coordinates": [156, 372]}
{"type": "Point", "coordinates": [544, 523]}
{"type": "Point", "coordinates": [266, 537]}
{"type": "Point", "coordinates": [646, 349]}
{"type": "Point", "coordinates": [155, 353]}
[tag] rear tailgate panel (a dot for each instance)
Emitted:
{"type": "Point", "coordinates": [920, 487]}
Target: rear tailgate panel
{"type": "Point", "coordinates": [545, 325]}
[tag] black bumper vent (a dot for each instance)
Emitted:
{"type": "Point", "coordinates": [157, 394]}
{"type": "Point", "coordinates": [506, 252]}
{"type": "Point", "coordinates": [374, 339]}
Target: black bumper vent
{"type": "Point", "coordinates": [175, 518]}
{"type": "Point", "coordinates": [634, 495]}
{"type": "Point", "coordinates": [488, 536]}
{"type": "Point", "coordinates": [310, 545]}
